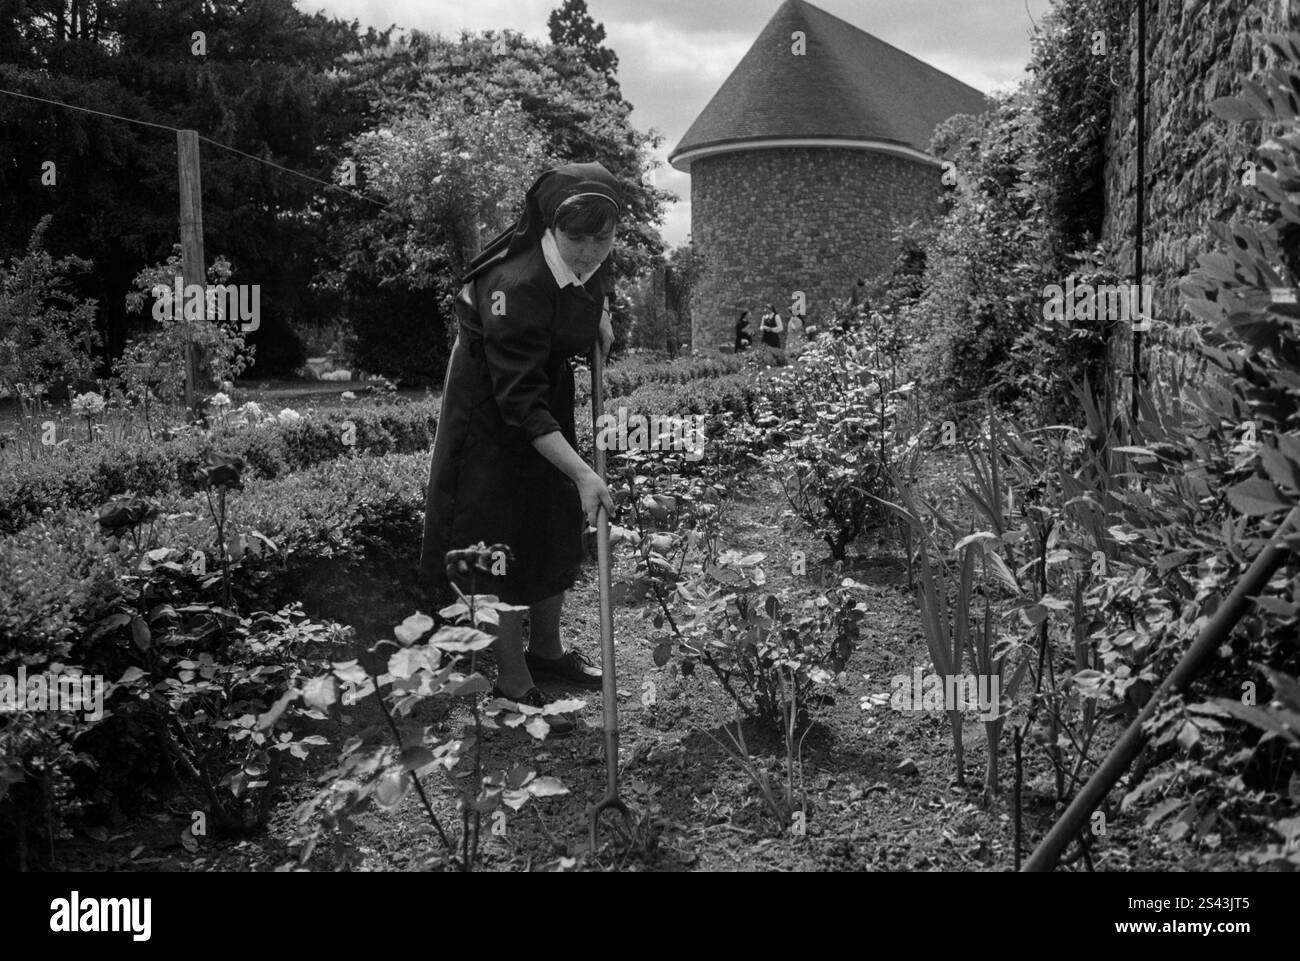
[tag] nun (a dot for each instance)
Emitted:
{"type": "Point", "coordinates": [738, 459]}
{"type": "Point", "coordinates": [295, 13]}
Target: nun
{"type": "Point", "coordinates": [505, 469]}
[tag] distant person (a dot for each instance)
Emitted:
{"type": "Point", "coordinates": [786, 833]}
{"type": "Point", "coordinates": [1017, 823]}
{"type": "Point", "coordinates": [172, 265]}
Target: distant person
{"type": "Point", "coordinates": [794, 328]}
{"type": "Point", "coordinates": [770, 328]}
{"type": "Point", "coordinates": [743, 339]}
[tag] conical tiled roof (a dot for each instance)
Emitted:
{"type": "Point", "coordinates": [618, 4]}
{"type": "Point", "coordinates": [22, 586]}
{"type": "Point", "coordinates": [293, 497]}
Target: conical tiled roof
{"type": "Point", "coordinates": [849, 86]}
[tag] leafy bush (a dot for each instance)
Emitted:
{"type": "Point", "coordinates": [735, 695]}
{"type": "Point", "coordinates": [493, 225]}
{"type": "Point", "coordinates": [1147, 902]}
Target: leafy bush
{"type": "Point", "coordinates": [153, 365]}
{"type": "Point", "coordinates": [139, 597]}
{"type": "Point", "coordinates": [838, 434]}
{"type": "Point", "coordinates": [47, 335]}
{"type": "Point", "coordinates": [83, 477]}
{"type": "Point", "coordinates": [420, 668]}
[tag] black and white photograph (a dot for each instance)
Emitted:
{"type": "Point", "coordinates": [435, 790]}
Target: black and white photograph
{"type": "Point", "coordinates": [651, 436]}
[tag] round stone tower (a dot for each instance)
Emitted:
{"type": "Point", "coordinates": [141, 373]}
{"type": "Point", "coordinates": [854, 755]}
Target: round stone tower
{"type": "Point", "coordinates": [804, 161]}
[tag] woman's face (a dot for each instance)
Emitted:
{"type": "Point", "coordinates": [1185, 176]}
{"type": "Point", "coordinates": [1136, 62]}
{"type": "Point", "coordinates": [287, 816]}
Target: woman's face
{"type": "Point", "coordinates": [584, 252]}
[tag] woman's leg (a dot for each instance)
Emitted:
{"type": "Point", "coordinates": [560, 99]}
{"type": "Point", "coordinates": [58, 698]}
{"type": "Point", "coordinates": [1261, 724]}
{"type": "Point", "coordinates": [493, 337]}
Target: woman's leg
{"type": "Point", "coordinates": [513, 678]}
{"type": "Point", "coordinates": [544, 627]}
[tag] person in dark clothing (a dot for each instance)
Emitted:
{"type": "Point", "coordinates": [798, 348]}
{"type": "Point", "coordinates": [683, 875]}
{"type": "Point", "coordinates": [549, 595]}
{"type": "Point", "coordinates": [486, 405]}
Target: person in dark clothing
{"type": "Point", "coordinates": [504, 468]}
{"type": "Point", "coordinates": [743, 339]}
{"type": "Point", "coordinates": [770, 328]}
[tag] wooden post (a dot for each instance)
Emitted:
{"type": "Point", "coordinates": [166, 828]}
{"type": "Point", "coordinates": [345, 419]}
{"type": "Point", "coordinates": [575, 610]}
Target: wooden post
{"type": "Point", "coordinates": [192, 268]}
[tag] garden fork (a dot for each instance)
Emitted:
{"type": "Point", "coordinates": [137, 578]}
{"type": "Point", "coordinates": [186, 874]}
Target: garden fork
{"type": "Point", "coordinates": [609, 693]}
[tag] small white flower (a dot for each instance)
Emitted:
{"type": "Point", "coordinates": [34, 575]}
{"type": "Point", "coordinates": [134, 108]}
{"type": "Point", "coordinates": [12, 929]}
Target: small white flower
{"type": "Point", "coordinates": [289, 416]}
{"type": "Point", "coordinates": [348, 395]}
{"type": "Point", "coordinates": [219, 400]}
{"type": "Point", "coordinates": [252, 410]}
{"type": "Point", "coordinates": [88, 404]}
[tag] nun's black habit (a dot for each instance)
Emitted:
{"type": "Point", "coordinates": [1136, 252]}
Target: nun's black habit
{"type": "Point", "coordinates": [510, 380]}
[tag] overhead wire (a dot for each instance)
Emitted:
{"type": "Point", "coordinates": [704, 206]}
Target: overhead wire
{"type": "Point", "coordinates": [215, 143]}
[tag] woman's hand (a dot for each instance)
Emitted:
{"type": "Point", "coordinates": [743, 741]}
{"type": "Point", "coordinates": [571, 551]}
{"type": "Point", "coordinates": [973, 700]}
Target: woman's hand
{"type": "Point", "coordinates": [593, 492]}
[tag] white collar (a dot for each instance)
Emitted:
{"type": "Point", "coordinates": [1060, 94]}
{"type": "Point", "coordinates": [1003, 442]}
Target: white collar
{"type": "Point", "coordinates": [560, 270]}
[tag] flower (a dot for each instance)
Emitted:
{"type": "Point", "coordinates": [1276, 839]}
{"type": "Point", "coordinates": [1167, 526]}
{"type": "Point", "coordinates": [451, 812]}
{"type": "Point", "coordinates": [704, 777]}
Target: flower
{"type": "Point", "coordinates": [289, 416]}
{"type": "Point", "coordinates": [88, 405]}
{"type": "Point", "coordinates": [219, 400]}
{"type": "Point", "coordinates": [252, 410]}
{"type": "Point", "coordinates": [348, 395]}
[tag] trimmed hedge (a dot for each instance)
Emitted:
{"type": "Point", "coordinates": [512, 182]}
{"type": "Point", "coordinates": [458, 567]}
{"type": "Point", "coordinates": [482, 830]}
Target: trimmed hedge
{"type": "Point", "coordinates": [624, 378]}
{"type": "Point", "coordinates": [60, 576]}
{"type": "Point", "coordinates": [84, 477]}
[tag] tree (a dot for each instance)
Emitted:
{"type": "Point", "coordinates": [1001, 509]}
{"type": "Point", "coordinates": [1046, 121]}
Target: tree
{"type": "Point", "coordinates": [572, 26]}
{"type": "Point", "coordinates": [47, 334]}
{"type": "Point", "coordinates": [262, 85]}
{"type": "Point", "coordinates": [686, 267]}
{"type": "Point", "coordinates": [461, 129]}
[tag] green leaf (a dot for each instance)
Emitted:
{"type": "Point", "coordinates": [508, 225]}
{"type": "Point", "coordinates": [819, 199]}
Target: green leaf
{"type": "Point", "coordinates": [474, 684]}
{"type": "Point", "coordinates": [270, 717]}
{"type": "Point", "coordinates": [1233, 109]}
{"type": "Point", "coordinates": [1163, 810]}
{"type": "Point", "coordinates": [1034, 614]}
{"type": "Point", "coordinates": [413, 628]}
{"type": "Point", "coordinates": [663, 653]}
{"type": "Point", "coordinates": [110, 623]}
{"type": "Point", "coordinates": [1282, 468]}
{"type": "Point", "coordinates": [412, 758]}
{"type": "Point", "coordinates": [567, 706]}
{"type": "Point", "coordinates": [392, 787]}
{"type": "Point", "coordinates": [1257, 717]}
{"type": "Point", "coordinates": [140, 633]}
{"type": "Point", "coordinates": [461, 639]}
{"type": "Point", "coordinates": [1003, 573]}
{"type": "Point", "coordinates": [350, 671]}
{"type": "Point", "coordinates": [1256, 497]}
{"type": "Point", "coordinates": [320, 692]}
{"type": "Point", "coordinates": [547, 787]}
{"type": "Point", "coordinates": [406, 662]}
{"type": "Point", "coordinates": [1275, 605]}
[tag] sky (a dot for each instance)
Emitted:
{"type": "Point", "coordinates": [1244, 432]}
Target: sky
{"type": "Point", "coordinates": [675, 54]}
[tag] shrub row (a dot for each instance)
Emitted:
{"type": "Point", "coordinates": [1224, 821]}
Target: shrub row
{"type": "Point", "coordinates": [62, 574]}
{"type": "Point", "coordinates": [83, 477]}
{"type": "Point", "coordinates": [627, 376]}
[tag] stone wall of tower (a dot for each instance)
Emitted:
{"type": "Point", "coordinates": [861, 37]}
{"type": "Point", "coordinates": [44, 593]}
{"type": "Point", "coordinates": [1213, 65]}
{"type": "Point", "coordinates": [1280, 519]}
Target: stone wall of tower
{"type": "Point", "coordinates": [772, 222]}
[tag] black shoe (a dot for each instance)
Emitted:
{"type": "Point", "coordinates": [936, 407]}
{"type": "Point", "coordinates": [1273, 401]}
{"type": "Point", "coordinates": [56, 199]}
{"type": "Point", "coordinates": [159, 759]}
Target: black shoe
{"type": "Point", "coordinates": [571, 667]}
{"type": "Point", "coordinates": [561, 725]}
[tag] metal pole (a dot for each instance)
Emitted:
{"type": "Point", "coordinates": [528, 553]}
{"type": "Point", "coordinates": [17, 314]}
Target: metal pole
{"type": "Point", "coordinates": [1141, 196]}
{"type": "Point", "coordinates": [1214, 633]}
